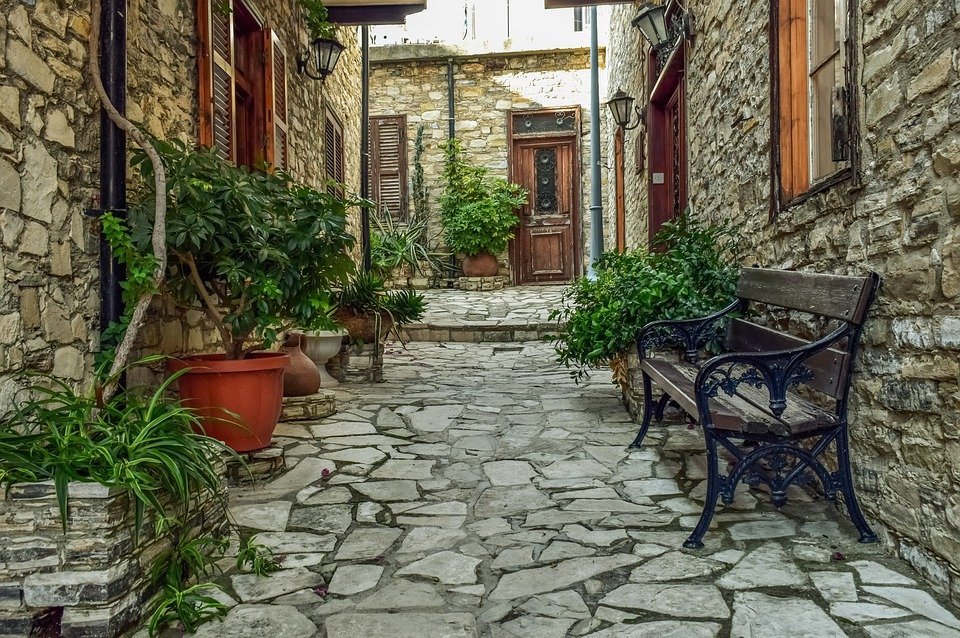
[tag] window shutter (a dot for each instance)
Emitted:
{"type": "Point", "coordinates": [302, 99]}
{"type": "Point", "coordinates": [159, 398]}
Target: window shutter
{"type": "Point", "coordinates": [389, 164]}
{"type": "Point", "coordinates": [217, 76]}
{"type": "Point", "coordinates": [794, 115]}
{"type": "Point", "coordinates": [333, 154]}
{"type": "Point", "coordinates": [276, 142]}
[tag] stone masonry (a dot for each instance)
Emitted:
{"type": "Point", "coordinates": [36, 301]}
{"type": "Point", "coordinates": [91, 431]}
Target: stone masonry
{"type": "Point", "coordinates": [411, 80]}
{"type": "Point", "coordinates": [901, 221]}
{"type": "Point", "coordinates": [49, 137]}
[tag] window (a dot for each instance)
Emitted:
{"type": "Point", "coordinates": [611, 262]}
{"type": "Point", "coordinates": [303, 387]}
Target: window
{"type": "Point", "coordinates": [333, 168]}
{"type": "Point", "coordinates": [388, 164]}
{"type": "Point", "coordinates": [243, 85]}
{"type": "Point", "coordinates": [813, 96]}
{"type": "Point", "coordinates": [578, 19]}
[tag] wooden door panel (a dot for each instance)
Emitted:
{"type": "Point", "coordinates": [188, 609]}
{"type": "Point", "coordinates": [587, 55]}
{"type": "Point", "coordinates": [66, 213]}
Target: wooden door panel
{"type": "Point", "coordinates": [544, 247]}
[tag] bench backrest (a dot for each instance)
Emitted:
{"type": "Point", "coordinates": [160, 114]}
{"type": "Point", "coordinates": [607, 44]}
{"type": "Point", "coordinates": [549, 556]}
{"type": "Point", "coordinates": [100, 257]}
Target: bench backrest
{"type": "Point", "coordinates": [833, 296]}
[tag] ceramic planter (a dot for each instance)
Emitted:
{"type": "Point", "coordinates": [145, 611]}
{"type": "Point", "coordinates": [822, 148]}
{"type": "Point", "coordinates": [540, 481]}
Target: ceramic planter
{"type": "Point", "coordinates": [482, 265]}
{"type": "Point", "coordinates": [238, 401]}
{"type": "Point", "coordinates": [320, 347]}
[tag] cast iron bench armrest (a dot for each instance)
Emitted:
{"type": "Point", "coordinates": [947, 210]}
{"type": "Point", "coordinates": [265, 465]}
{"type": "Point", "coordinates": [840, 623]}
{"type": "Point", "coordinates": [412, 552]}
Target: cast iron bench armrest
{"type": "Point", "coordinates": [690, 334]}
{"type": "Point", "coordinates": [775, 370]}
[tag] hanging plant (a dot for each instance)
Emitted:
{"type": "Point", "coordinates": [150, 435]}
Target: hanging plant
{"type": "Point", "coordinates": [316, 16]}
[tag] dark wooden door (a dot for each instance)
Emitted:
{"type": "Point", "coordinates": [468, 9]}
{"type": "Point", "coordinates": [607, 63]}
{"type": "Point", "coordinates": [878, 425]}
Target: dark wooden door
{"type": "Point", "coordinates": [544, 249]}
{"type": "Point", "coordinates": [668, 144]}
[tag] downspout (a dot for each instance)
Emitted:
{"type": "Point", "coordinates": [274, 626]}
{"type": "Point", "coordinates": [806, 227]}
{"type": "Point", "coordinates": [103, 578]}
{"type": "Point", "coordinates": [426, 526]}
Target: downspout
{"type": "Point", "coordinates": [113, 153]}
{"type": "Point", "coordinates": [596, 197]}
{"type": "Point", "coordinates": [365, 145]}
{"type": "Point", "coordinates": [451, 135]}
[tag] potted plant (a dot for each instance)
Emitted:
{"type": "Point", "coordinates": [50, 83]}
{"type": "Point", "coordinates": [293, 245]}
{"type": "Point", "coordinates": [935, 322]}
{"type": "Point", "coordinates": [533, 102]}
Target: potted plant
{"type": "Point", "coordinates": [479, 213]}
{"type": "Point", "coordinates": [259, 254]}
{"type": "Point", "coordinates": [368, 312]}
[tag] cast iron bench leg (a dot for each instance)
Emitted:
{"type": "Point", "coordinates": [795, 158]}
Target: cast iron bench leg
{"type": "Point", "coordinates": [647, 411]}
{"type": "Point", "coordinates": [846, 487]}
{"type": "Point", "coordinates": [714, 488]}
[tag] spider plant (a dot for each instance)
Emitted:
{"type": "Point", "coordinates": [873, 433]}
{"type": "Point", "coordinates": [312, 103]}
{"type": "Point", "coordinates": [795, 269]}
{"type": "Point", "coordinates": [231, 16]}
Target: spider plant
{"type": "Point", "coordinates": [139, 440]}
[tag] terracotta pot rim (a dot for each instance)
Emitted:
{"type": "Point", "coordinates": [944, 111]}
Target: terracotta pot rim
{"type": "Point", "coordinates": [219, 364]}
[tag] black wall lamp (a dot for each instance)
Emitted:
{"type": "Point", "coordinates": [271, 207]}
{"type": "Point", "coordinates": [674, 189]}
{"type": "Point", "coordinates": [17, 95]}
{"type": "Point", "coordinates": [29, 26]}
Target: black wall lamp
{"type": "Point", "coordinates": [660, 30]}
{"type": "Point", "coordinates": [323, 53]}
{"type": "Point", "coordinates": [621, 105]}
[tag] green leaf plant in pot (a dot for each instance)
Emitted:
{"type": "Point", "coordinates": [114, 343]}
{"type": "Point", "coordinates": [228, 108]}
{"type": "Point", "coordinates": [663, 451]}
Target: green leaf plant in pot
{"type": "Point", "coordinates": [369, 313]}
{"type": "Point", "coordinates": [478, 212]}
{"type": "Point", "coordinates": [258, 253]}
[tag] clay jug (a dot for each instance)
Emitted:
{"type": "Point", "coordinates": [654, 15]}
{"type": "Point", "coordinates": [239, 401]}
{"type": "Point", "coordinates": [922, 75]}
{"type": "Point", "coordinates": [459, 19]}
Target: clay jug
{"type": "Point", "coordinates": [301, 377]}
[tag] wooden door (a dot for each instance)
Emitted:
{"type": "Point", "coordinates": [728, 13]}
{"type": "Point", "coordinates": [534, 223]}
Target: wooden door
{"type": "Point", "coordinates": [668, 142]}
{"type": "Point", "coordinates": [544, 248]}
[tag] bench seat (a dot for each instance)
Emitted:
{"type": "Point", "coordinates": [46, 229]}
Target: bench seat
{"type": "Point", "coordinates": [747, 412]}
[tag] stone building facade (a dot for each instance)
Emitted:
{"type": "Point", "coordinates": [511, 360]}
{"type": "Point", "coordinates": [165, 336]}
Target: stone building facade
{"type": "Point", "coordinates": [900, 217]}
{"type": "Point", "coordinates": [490, 83]}
{"type": "Point", "coordinates": [49, 141]}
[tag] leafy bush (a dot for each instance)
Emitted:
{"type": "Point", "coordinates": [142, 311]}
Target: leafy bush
{"type": "Point", "coordinates": [259, 252]}
{"type": "Point", "coordinates": [478, 212]}
{"type": "Point", "coordinates": [690, 275]}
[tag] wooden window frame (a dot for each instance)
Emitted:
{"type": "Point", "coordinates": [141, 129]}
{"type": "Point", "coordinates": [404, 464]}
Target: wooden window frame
{"type": "Point", "coordinates": [266, 123]}
{"type": "Point", "coordinates": [376, 162]}
{"type": "Point", "coordinates": [851, 171]}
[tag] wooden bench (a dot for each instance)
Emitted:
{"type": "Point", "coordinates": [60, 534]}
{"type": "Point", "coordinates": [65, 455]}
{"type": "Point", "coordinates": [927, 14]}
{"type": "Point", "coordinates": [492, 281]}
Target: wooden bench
{"type": "Point", "coordinates": [748, 401]}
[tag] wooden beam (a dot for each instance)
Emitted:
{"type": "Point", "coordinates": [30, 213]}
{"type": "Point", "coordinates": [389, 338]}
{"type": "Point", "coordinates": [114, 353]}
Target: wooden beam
{"type": "Point", "coordinates": [372, 15]}
{"type": "Point", "coordinates": [373, 3]}
{"type": "Point", "coordinates": [566, 4]}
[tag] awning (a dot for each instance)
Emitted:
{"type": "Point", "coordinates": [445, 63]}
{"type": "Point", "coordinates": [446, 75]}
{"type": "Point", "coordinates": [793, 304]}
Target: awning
{"type": "Point", "coordinates": [370, 12]}
{"type": "Point", "coordinates": [564, 4]}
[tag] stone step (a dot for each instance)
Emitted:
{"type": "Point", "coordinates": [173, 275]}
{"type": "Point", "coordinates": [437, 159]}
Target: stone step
{"type": "Point", "coordinates": [479, 332]}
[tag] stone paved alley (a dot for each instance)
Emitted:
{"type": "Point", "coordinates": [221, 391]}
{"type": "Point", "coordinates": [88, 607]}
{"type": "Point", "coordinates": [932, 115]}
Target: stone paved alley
{"type": "Point", "coordinates": [481, 492]}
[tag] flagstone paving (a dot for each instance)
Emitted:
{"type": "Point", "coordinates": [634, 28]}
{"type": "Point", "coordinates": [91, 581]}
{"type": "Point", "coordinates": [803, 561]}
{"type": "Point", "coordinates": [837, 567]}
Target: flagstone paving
{"type": "Point", "coordinates": [481, 492]}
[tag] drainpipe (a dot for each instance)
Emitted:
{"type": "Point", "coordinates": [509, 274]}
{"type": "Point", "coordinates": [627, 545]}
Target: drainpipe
{"type": "Point", "coordinates": [596, 200]}
{"type": "Point", "coordinates": [113, 152]}
{"type": "Point", "coordinates": [365, 145]}
{"type": "Point", "coordinates": [451, 135]}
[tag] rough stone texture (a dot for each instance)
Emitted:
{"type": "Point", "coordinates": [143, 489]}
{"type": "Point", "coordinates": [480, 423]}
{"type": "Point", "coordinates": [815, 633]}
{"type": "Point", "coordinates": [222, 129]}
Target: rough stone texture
{"type": "Point", "coordinates": [480, 284]}
{"type": "Point", "coordinates": [902, 222]}
{"type": "Point", "coordinates": [411, 80]}
{"type": "Point", "coordinates": [94, 571]}
{"type": "Point", "coordinates": [311, 408]}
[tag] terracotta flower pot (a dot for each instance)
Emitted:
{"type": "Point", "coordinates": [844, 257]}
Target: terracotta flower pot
{"type": "Point", "coordinates": [321, 347]}
{"type": "Point", "coordinates": [362, 327]}
{"type": "Point", "coordinates": [301, 378]}
{"type": "Point", "coordinates": [482, 265]}
{"type": "Point", "coordinates": [238, 402]}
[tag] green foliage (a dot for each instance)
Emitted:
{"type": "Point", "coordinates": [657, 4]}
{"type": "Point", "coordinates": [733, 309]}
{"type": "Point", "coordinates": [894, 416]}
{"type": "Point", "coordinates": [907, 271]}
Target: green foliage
{"type": "Point", "coordinates": [405, 306]}
{"type": "Point", "coordinates": [691, 275]}
{"type": "Point", "coordinates": [366, 294]}
{"type": "Point", "coordinates": [256, 558]}
{"type": "Point", "coordinates": [190, 607]}
{"type": "Point", "coordinates": [258, 251]}
{"type": "Point", "coordinates": [393, 245]}
{"type": "Point", "coordinates": [139, 267]}
{"type": "Point", "coordinates": [478, 212]}
{"type": "Point", "coordinates": [139, 440]}
{"type": "Point", "coordinates": [418, 185]}
{"type": "Point", "coordinates": [316, 16]}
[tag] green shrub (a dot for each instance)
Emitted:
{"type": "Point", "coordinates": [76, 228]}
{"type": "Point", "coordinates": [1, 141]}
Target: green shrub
{"type": "Point", "coordinates": [692, 274]}
{"type": "Point", "coordinates": [478, 212]}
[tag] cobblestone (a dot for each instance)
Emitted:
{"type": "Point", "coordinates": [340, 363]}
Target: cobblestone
{"type": "Point", "coordinates": [535, 535]}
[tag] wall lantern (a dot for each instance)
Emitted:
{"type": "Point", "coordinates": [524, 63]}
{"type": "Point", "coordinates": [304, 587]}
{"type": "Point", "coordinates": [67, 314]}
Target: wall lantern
{"type": "Point", "coordinates": [652, 22]}
{"type": "Point", "coordinates": [324, 53]}
{"type": "Point", "coordinates": [621, 105]}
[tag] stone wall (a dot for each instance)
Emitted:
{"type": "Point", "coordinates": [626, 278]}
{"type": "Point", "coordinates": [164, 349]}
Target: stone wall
{"type": "Point", "coordinates": [49, 137]}
{"type": "Point", "coordinates": [411, 80]}
{"type": "Point", "coordinates": [48, 158]}
{"type": "Point", "coordinates": [902, 222]}
{"type": "Point", "coordinates": [95, 573]}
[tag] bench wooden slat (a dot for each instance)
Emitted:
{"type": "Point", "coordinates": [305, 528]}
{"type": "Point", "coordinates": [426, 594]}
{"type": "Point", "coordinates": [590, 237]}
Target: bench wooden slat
{"type": "Point", "coordinates": [829, 367]}
{"type": "Point", "coordinates": [747, 413]}
{"type": "Point", "coordinates": [834, 296]}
